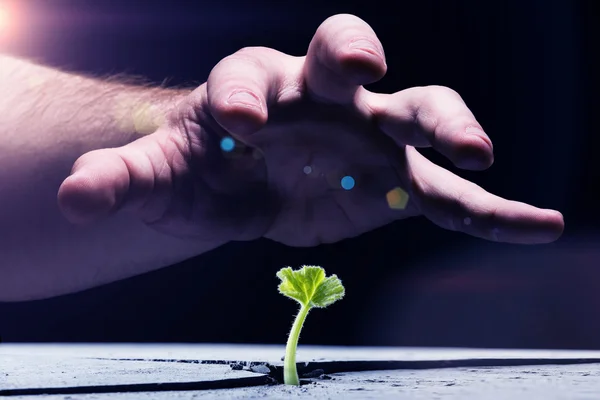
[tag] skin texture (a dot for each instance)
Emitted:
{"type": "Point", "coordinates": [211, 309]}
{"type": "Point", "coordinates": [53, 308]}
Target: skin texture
{"type": "Point", "coordinates": [49, 118]}
{"type": "Point", "coordinates": [179, 188]}
{"type": "Point", "coordinates": [299, 111]}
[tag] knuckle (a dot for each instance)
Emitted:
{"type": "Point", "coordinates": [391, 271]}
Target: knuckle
{"type": "Point", "coordinates": [456, 212]}
{"type": "Point", "coordinates": [428, 199]}
{"type": "Point", "coordinates": [242, 59]}
{"type": "Point", "coordinates": [456, 125]}
{"type": "Point", "coordinates": [241, 70]}
{"type": "Point", "coordinates": [468, 210]}
{"type": "Point", "coordinates": [252, 61]}
{"type": "Point", "coordinates": [341, 21]}
{"type": "Point", "coordinates": [256, 54]}
{"type": "Point", "coordinates": [438, 90]}
{"type": "Point", "coordinates": [251, 51]}
{"type": "Point", "coordinates": [432, 96]}
{"type": "Point", "coordinates": [442, 88]}
{"type": "Point", "coordinates": [419, 188]}
{"type": "Point", "coordinates": [474, 213]}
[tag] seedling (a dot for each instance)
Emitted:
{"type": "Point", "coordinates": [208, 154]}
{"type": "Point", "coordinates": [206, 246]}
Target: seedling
{"type": "Point", "coordinates": [309, 287]}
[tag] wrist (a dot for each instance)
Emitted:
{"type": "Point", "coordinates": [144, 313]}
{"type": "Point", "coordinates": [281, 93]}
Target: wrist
{"type": "Point", "coordinates": [140, 111]}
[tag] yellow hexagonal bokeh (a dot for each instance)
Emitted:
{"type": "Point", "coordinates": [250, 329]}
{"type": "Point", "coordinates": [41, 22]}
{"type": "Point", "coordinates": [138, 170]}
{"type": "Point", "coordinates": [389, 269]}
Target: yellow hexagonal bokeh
{"type": "Point", "coordinates": [143, 118]}
{"type": "Point", "coordinates": [397, 198]}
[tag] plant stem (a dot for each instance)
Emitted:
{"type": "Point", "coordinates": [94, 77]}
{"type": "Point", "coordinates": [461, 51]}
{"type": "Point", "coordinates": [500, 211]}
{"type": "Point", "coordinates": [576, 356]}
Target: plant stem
{"type": "Point", "coordinates": [290, 374]}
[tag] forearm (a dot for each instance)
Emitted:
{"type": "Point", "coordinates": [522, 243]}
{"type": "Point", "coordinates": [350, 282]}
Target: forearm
{"type": "Point", "coordinates": [48, 119]}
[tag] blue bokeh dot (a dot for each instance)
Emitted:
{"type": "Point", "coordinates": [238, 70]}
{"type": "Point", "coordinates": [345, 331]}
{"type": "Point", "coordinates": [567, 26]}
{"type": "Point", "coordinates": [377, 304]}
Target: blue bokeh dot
{"type": "Point", "coordinates": [227, 144]}
{"type": "Point", "coordinates": [347, 182]}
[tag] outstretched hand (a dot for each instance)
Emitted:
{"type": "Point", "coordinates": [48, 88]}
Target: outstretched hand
{"type": "Point", "coordinates": [295, 149]}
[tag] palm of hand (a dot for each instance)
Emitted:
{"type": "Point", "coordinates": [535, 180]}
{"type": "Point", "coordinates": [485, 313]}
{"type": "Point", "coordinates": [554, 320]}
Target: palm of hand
{"type": "Point", "coordinates": [315, 173]}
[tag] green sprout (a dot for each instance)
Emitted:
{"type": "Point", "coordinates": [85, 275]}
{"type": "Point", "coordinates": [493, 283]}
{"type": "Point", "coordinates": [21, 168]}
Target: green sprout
{"type": "Point", "coordinates": [309, 287]}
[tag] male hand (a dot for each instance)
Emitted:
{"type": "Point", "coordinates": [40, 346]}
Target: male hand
{"type": "Point", "coordinates": [299, 126]}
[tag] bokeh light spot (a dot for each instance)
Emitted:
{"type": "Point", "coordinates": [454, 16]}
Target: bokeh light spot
{"type": "Point", "coordinates": [307, 170]}
{"type": "Point", "coordinates": [347, 182]}
{"type": "Point", "coordinates": [146, 119]}
{"type": "Point", "coordinates": [227, 144]}
{"type": "Point", "coordinates": [3, 18]}
{"type": "Point", "coordinates": [397, 199]}
{"type": "Point", "coordinates": [10, 22]}
{"type": "Point", "coordinates": [4, 21]}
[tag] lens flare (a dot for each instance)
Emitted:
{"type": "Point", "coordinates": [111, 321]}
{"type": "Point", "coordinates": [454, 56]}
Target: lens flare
{"type": "Point", "coordinates": [8, 24]}
{"type": "Point", "coordinates": [397, 199]}
{"type": "Point", "coordinates": [227, 144]}
{"type": "Point", "coordinates": [4, 18]}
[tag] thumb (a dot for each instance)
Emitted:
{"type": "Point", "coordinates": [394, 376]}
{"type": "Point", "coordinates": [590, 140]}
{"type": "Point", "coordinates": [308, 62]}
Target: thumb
{"type": "Point", "coordinates": [134, 177]}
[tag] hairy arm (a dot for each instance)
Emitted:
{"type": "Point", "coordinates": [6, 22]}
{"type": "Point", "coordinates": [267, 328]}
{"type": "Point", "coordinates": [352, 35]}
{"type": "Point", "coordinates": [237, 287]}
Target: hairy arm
{"type": "Point", "coordinates": [48, 118]}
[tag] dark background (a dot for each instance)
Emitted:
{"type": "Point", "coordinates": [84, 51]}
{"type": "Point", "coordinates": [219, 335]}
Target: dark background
{"type": "Point", "coordinates": [525, 68]}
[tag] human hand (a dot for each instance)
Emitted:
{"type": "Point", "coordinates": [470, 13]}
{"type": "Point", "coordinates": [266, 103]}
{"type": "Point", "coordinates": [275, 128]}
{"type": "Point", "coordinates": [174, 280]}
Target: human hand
{"type": "Point", "coordinates": [300, 124]}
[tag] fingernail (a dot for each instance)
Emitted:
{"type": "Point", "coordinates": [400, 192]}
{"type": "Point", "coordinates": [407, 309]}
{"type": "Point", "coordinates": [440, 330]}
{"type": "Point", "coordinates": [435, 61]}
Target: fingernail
{"type": "Point", "coordinates": [244, 98]}
{"type": "Point", "coordinates": [473, 130]}
{"type": "Point", "coordinates": [367, 46]}
{"type": "Point", "coordinates": [473, 158]}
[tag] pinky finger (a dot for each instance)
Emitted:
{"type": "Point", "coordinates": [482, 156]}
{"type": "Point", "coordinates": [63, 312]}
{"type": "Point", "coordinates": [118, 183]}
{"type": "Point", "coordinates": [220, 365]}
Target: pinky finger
{"type": "Point", "coordinates": [459, 205]}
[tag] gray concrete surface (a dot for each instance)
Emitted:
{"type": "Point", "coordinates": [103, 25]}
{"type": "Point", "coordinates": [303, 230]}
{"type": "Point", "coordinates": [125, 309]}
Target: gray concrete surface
{"type": "Point", "coordinates": [273, 353]}
{"type": "Point", "coordinates": [39, 370]}
{"type": "Point", "coordinates": [37, 366]}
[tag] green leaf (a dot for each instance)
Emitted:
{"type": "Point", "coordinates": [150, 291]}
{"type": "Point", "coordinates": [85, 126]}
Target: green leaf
{"type": "Point", "coordinates": [310, 287]}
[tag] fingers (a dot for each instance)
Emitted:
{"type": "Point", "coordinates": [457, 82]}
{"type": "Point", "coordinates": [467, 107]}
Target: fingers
{"type": "Point", "coordinates": [433, 116]}
{"type": "Point", "coordinates": [456, 204]}
{"type": "Point", "coordinates": [134, 177]}
{"type": "Point", "coordinates": [344, 54]}
{"type": "Point", "coordinates": [241, 87]}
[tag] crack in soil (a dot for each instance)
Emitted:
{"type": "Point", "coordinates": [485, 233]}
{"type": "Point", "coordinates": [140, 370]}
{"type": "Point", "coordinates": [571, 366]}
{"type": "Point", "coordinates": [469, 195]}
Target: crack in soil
{"type": "Point", "coordinates": [145, 387]}
{"type": "Point", "coordinates": [271, 374]}
{"type": "Point", "coordinates": [312, 369]}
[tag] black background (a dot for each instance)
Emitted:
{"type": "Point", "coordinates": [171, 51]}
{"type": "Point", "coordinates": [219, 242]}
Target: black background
{"type": "Point", "coordinates": [528, 71]}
